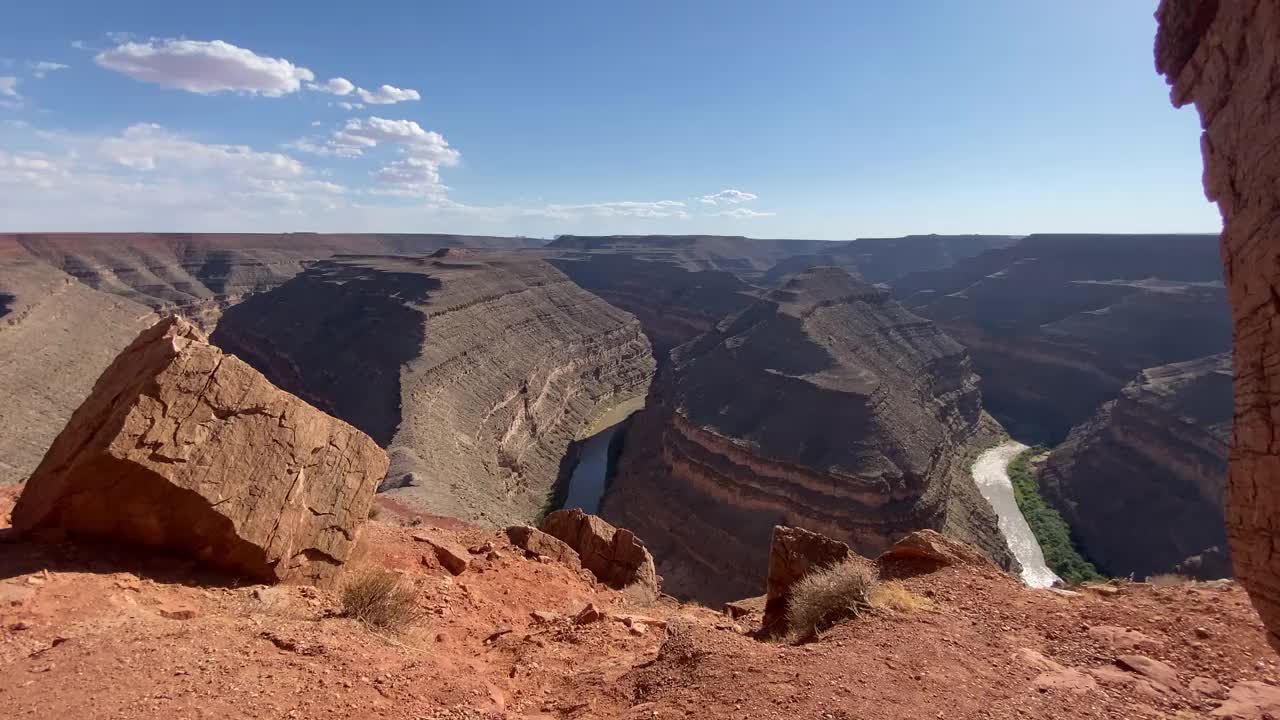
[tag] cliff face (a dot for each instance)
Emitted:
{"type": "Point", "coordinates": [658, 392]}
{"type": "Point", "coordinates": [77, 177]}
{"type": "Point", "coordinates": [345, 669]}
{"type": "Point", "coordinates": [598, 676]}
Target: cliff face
{"type": "Point", "coordinates": [825, 406]}
{"type": "Point", "coordinates": [1058, 324]}
{"type": "Point", "coordinates": [1223, 57]}
{"type": "Point", "coordinates": [678, 286]}
{"type": "Point", "coordinates": [56, 338]}
{"type": "Point", "coordinates": [1143, 481]}
{"type": "Point", "coordinates": [673, 303]}
{"type": "Point", "coordinates": [474, 371]}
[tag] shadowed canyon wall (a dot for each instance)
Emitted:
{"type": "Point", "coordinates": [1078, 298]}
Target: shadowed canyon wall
{"type": "Point", "coordinates": [475, 370]}
{"type": "Point", "coordinates": [1058, 324]}
{"type": "Point", "coordinates": [1143, 481]}
{"type": "Point", "coordinates": [199, 274]}
{"type": "Point", "coordinates": [1224, 58]}
{"type": "Point", "coordinates": [70, 302]}
{"type": "Point", "coordinates": [825, 406]}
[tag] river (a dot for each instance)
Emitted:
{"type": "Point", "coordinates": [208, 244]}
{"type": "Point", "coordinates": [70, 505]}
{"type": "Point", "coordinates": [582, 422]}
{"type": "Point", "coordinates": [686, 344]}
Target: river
{"type": "Point", "coordinates": [587, 483]}
{"type": "Point", "coordinates": [991, 473]}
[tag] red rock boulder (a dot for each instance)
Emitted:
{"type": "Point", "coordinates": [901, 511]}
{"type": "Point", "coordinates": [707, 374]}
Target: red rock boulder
{"type": "Point", "coordinates": [794, 553]}
{"type": "Point", "coordinates": [184, 448]}
{"type": "Point", "coordinates": [614, 555]}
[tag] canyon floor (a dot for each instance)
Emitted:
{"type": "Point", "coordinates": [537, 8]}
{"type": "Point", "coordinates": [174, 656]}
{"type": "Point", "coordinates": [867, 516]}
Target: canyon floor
{"type": "Point", "coordinates": [96, 632]}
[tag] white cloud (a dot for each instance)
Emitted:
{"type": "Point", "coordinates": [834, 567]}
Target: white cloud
{"type": "Point", "coordinates": [149, 147]}
{"type": "Point", "coordinates": [9, 86]}
{"type": "Point", "coordinates": [205, 67]}
{"type": "Point", "coordinates": [622, 208]}
{"type": "Point", "coordinates": [728, 197]}
{"type": "Point", "coordinates": [387, 95]}
{"type": "Point", "coordinates": [351, 106]}
{"type": "Point", "coordinates": [359, 135]}
{"type": "Point", "coordinates": [742, 213]}
{"type": "Point", "coordinates": [334, 86]}
{"type": "Point", "coordinates": [29, 169]}
{"type": "Point", "coordinates": [340, 86]}
{"type": "Point", "coordinates": [148, 176]}
{"type": "Point", "coordinates": [44, 67]}
{"type": "Point", "coordinates": [78, 44]}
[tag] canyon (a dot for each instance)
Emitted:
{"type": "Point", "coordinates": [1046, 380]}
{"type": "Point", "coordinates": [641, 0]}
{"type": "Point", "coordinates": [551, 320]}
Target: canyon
{"type": "Point", "coordinates": [475, 370]}
{"type": "Point", "coordinates": [1143, 481]}
{"type": "Point", "coordinates": [824, 405]}
{"type": "Point", "coordinates": [1058, 324]}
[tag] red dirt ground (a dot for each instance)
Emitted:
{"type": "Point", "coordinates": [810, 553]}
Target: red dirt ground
{"type": "Point", "coordinates": [100, 632]}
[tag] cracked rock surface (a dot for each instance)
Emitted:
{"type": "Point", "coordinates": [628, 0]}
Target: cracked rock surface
{"type": "Point", "coordinates": [182, 447]}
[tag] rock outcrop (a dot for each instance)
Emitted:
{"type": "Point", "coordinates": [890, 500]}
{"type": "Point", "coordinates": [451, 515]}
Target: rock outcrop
{"type": "Point", "coordinates": [1223, 57]}
{"type": "Point", "coordinates": [184, 448]}
{"type": "Point", "coordinates": [825, 406]}
{"type": "Point", "coordinates": [614, 555]}
{"type": "Point", "coordinates": [794, 553]}
{"type": "Point", "coordinates": [1143, 482]}
{"type": "Point", "coordinates": [476, 372]}
{"type": "Point", "coordinates": [929, 547]}
{"type": "Point", "coordinates": [1058, 324]}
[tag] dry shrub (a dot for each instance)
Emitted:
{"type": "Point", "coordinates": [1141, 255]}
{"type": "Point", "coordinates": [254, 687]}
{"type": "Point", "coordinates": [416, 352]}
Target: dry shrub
{"type": "Point", "coordinates": [893, 595]}
{"type": "Point", "coordinates": [829, 595]}
{"type": "Point", "coordinates": [374, 511]}
{"type": "Point", "coordinates": [377, 598]}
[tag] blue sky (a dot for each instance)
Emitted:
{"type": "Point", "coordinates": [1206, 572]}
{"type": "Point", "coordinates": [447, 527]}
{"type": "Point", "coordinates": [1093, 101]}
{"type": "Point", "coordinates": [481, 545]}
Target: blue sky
{"type": "Point", "coordinates": [821, 119]}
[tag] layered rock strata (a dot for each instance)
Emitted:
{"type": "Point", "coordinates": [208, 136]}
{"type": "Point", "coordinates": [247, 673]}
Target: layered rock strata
{"type": "Point", "coordinates": [825, 406]}
{"type": "Point", "coordinates": [56, 338]}
{"type": "Point", "coordinates": [183, 448]}
{"type": "Point", "coordinates": [1222, 56]}
{"type": "Point", "coordinates": [476, 371]}
{"type": "Point", "coordinates": [1143, 482]}
{"type": "Point", "coordinates": [1058, 324]}
{"type": "Point", "coordinates": [198, 274]}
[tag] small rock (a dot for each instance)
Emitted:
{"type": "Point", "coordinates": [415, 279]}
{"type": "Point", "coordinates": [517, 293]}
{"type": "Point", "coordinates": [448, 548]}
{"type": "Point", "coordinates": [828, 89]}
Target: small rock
{"type": "Point", "coordinates": [637, 629]}
{"type": "Point", "coordinates": [1069, 679]}
{"type": "Point", "coordinates": [452, 557]}
{"type": "Point", "coordinates": [481, 549]}
{"type": "Point", "coordinates": [1119, 638]}
{"type": "Point", "coordinates": [742, 608]}
{"type": "Point", "coordinates": [1208, 687]}
{"type": "Point", "coordinates": [544, 616]}
{"type": "Point", "coordinates": [1251, 700]}
{"type": "Point", "coordinates": [1203, 633]}
{"type": "Point", "coordinates": [177, 613]}
{"type": "Point", "coordinates": [20, 626]}
{"type": "Point", "coordinates": [1154, 670]}
{"type": "Point", "coordinates": [1036, 660]}
{"type": "Point", "coordinates": [588, 614]}
{"type": "Point", "coordinates": [504, 630]}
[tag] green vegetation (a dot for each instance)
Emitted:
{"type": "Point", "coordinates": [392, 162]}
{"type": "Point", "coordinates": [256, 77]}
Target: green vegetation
{"type": "Point", "coordinates": [1053, 533]}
